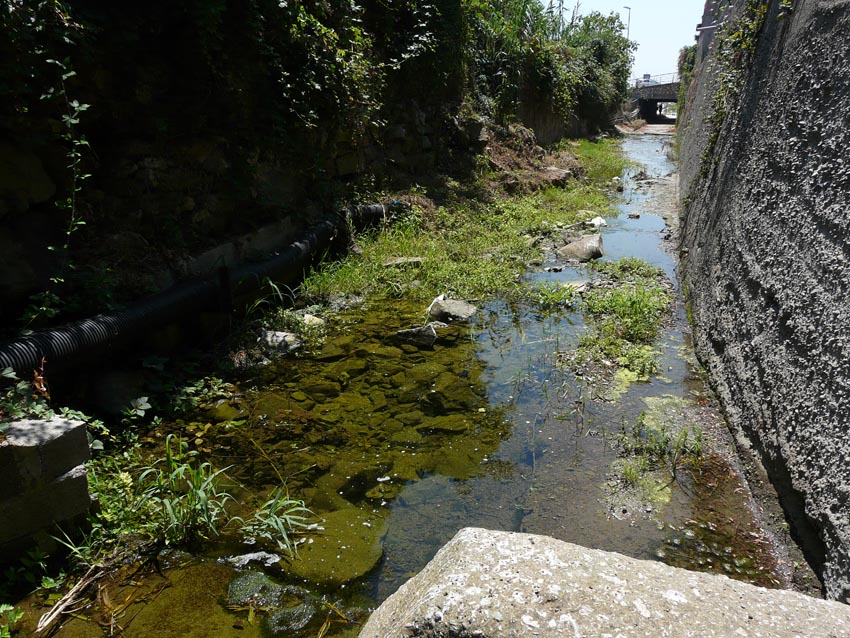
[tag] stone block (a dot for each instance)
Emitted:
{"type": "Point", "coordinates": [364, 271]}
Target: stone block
{"type": "Point", "coordinates": [506, 585]}
{"type": "Point", "coordinates": [49, 503]}
{"type": "Point", "coordinates": [21, 468]}
{"type": "Point", "coordinates": [61, 444]}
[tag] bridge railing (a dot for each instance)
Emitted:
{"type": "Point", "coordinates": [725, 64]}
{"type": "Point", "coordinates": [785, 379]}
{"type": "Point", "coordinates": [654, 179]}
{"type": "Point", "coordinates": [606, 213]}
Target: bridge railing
{"type": "Point", "coordinates": [663, 78]}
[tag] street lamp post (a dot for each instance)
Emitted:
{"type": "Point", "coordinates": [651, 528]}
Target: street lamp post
{"type": "Point", "coordinates": [629, 24]}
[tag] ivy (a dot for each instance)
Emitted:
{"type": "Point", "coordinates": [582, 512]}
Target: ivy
{"type": "Point", "coordinates": [735, 50]}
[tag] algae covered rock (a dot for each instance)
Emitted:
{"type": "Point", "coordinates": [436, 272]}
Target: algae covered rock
{"type": "Point", "coordinates": [290, 609]}
{"type": "Point", "coordinates": [348, 545]}
{"type": "Point", "coordinates": [285, 622]}
{"type": "Point", "coordinates": [254, 589]}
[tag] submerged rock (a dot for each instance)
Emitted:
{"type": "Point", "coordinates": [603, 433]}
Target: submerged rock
{"type": "Point", "coordinates": [288, 621]}
{"type": "Point", "coordinates": [283, 342]}
{"type": "Point", "coordinates": [583, 249]}
{"type": "Point", "coordinates": [347, 545]}
{"type": "Point", "coordinates": [423, 335]}
{"type": "Point", "coordinates": [265, 558]}
{"type": "Point", "coordinates": [254, 589]}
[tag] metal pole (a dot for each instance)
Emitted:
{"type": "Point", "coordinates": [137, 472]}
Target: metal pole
{"type": "Point", "coordinates": [629, 24]}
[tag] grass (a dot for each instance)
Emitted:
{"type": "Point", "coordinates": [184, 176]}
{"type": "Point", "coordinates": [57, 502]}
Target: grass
{"type": "Point", "coordinates": [602, 160]}
{"type": "Point", "coordinates": [624, 317]}
{"type": "Point", "coordinates": [653, 444]}
{"type": "Point", "coordinates": [655, 449]}
{"type": "Point", "coordinates": [468, 249]}
{"type": "Point", "coordinates": [175, 501]}
{"type": "Point", "coordinates": [553, 296]}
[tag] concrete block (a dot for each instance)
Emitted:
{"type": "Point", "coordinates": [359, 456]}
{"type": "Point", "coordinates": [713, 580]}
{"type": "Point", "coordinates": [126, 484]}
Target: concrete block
{"type": "Point", "coordinates": [69, 495]}
{"type": "Point", "coordinates": [40, 508]}
{"type": "Point", "coordinates": [504, 585]}
{"type": "Point", "coordinates": [20, 467]}
{"type": "Point", "coordinates": [60, 444]}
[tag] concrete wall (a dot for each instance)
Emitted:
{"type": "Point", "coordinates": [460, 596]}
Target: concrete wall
{"type": "Point", "coordinates": [767, 236]}
{"type": "Point", "coordinates": [44, 481]}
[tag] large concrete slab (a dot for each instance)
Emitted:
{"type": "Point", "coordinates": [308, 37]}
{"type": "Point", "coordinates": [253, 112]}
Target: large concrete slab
{"type": "Point", "coordinates": [489, 584]}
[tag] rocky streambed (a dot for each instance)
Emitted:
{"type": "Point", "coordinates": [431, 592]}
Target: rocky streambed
{"type": "Point", "coordinates": [396, 443]}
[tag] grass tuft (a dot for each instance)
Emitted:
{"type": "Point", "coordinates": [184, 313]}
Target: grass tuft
{"type": "Point", "coordinates": [467, 248]}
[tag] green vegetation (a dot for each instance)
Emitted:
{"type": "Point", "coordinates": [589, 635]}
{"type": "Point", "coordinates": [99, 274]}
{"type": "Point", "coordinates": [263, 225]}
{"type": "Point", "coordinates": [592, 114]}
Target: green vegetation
{"type": "Point", "coordinates": [654, 449]}
{"type": "Point", "coordinates": [176, 501]}
{"type": "Point", "coordinates": [309, 88]}
{"type": "Point", "coordinates": [687, 66]}
{"type": "Point", "coordinates": [184, 501]}
{"type": "Point", "coordinates": [520, 49]}
{"type": "Point", "coordinates": [735, 49]}
{"type": "Point", "coordinates": [553, 296]}
{"type": "Point", "coordinates": [601, 160]}
{"type": "Point", "coordinates": [9, 617]}
{"type": "Point", "coordinates": [468, 249]}
{"type": "Point", "coordinates": [21, 399]}
{"type": "Point", "coordinates": [625, 315]}
{"type": "Point", "coordinates": [656, 441]}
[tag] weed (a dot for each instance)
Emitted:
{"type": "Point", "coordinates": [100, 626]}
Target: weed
{"type": "Point", "coordinates": [640, 359]}
{"type": "Point", "coordinates": [9, 617]}
{"type": "Point", "coordinates": [276, 520]}
{"type": "Point", "coordinates": [662, 444]}
{"type": "Point", "coordinates": [201, 392]}
{"type": "Point", "coordinates": [624, 315]}
{"type": "Point", "coordinates": [552, 296]}
{"type": "Point", "coordinates": [631, 312]}
{"type": "Point", "coordinates": [628, 269]}
{"type": "Point", "coordinates": [185, 501]}
{"type": "Point", "coordinates": [602, 160]}
{"type": "Point", "coordinates": [634, 469]}
{"type": "Point", "coordinates": [175, 501]}
{"type": "Point", "coordinates": [470, 250]}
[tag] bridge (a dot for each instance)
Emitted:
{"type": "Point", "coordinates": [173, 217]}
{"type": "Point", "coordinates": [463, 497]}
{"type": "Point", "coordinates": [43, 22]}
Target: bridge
{"type": "Point", "coordinates": [652, 90]}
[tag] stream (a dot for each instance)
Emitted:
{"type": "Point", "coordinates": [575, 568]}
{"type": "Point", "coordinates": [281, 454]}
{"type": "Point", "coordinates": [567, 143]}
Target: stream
{"type": "Point", "coordinates": [396, 448]}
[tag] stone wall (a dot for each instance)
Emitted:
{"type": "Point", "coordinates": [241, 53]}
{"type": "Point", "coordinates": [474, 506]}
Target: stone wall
{"type": "Point", "coordinates": [766, 232]}
{"type": "Point", "coordinates": [44, 481]}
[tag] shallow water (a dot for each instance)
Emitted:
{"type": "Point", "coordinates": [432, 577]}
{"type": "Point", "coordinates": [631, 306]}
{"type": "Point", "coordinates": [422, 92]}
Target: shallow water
{"type": "Point", "coordinates": [483, 430]}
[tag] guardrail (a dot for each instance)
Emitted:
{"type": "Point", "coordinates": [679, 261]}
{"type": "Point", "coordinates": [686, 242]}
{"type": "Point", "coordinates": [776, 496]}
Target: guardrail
{"type": "Point", "coordinates": [663, 78]}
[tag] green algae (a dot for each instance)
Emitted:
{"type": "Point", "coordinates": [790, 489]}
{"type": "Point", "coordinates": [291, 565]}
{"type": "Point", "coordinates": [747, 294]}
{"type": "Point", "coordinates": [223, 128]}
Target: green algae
{"type": "Point", "coordinates": [346, 546]}
{"type": "Point", "coordinates": [188, 604]}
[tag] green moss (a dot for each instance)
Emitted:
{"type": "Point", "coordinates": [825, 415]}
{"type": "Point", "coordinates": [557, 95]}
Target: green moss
{"type": "Point", "coordinates": [347, 545]}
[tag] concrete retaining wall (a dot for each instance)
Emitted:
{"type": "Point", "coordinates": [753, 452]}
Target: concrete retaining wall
{"type": "Point", "coordinates": [487, 584]}
{"type": "Point", "coordinates": [767, 236]}
{"type": "Point", "coordinates": [44, 480]}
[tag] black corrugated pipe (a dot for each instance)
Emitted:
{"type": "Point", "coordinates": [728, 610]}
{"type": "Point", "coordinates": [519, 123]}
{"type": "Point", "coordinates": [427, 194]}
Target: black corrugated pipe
{"type": "Point", "coordinates": [60, 346]}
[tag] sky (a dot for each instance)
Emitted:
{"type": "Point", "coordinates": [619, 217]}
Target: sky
{"type": "Point", "coordinates": [660, 28]}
